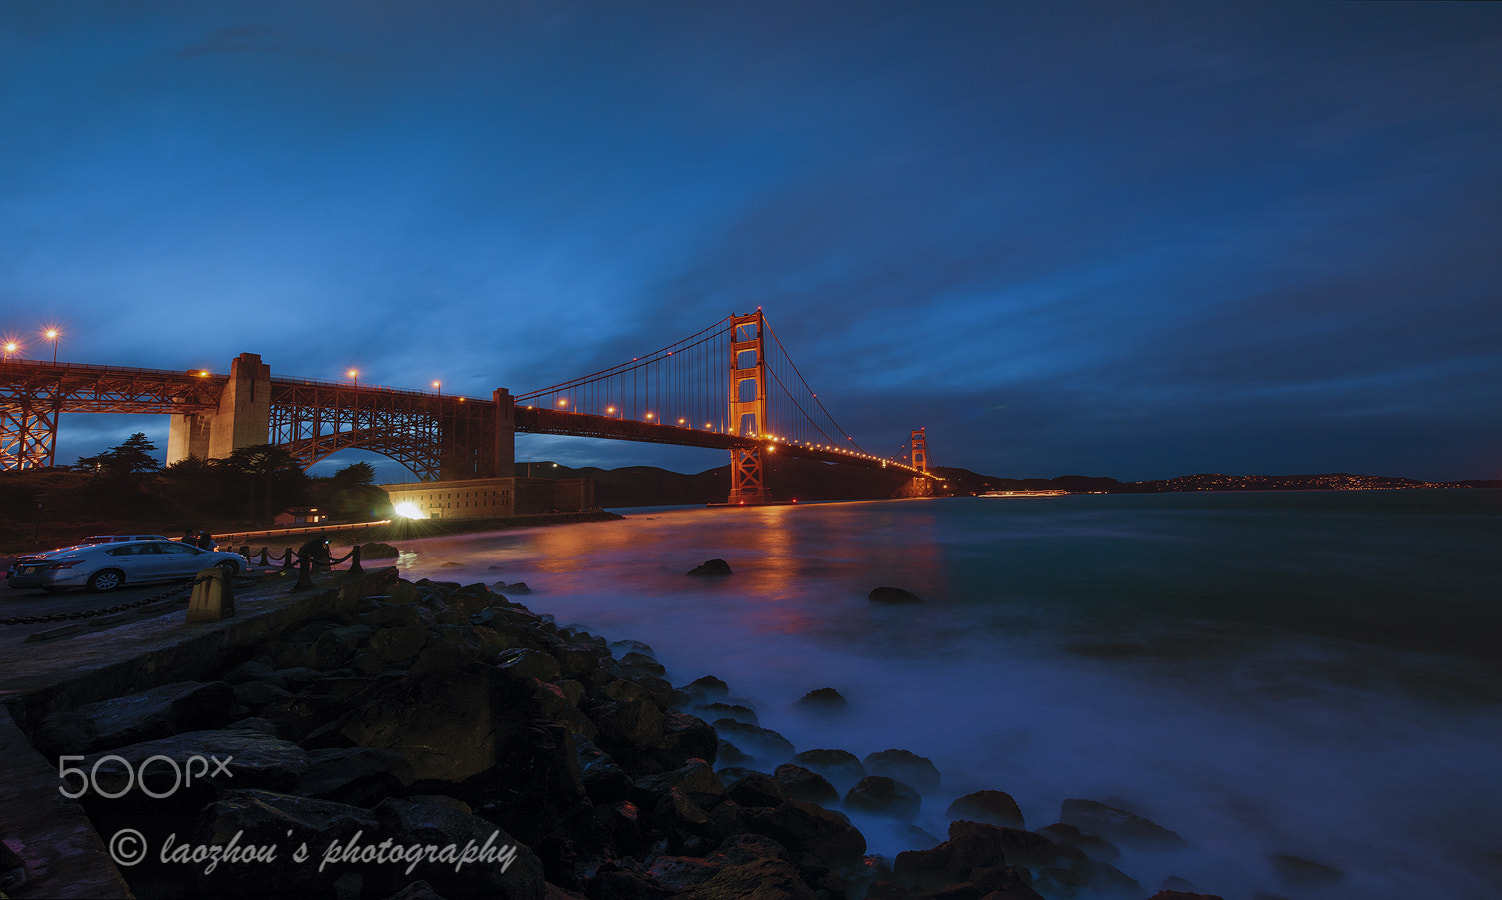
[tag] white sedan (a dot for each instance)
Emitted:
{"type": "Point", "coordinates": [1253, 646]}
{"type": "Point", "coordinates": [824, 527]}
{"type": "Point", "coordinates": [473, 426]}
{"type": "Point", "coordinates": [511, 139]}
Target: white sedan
{"type": "Point", "coordinates": [104, 567]}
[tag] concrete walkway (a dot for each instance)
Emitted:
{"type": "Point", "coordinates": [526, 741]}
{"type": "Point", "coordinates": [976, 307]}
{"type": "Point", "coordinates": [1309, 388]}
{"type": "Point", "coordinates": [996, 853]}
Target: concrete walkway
{"type": "Point", "coordinates": [64, 855]}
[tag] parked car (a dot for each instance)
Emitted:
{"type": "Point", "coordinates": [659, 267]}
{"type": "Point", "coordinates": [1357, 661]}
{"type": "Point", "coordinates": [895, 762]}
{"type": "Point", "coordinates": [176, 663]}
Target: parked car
{"type": "Point", "coordinates": [117, 538]}
{"type": "Point", "coordinates": [104, 567]}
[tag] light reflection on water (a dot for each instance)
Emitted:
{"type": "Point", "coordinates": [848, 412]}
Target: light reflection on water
{"type": "Point", "coordinates": [1265, 674]}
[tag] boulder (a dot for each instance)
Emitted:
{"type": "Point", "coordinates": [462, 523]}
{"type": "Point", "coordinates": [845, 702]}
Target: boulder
{"type": "Point", "coordinates": [806, 828]}
{"type": "Point", "coordinates": [529, 664]}
{"type": "Point", "coordinates": [711, 568]}
{"type": "Point", "coordinates": [1298, 872]}
{"type": "Point", "coordinates": [156, 713]}
{"type": "Point", "coordinates": [1117, 825]}
{"type": "Point", "coordinates": [378, 550]}
{"type": "Point", "coordinates": [735, 711]}
{"type": "Point", "coordinates": [359, 776]}
{"type": "Point", "coordinates": [444, 723]}
{"type": "Point", "coordinates": [251, 760]}
{"type": "Point", "coordinates": [754, 880]}
{"type": "Point", "coordinates": [505, 867]}
{"type": "Point", "coordinates": [696, 780]}
{"type": "Point", "coordinates": [1097, 848]}
{"type": "Point", "coordinates": [841, 767]}
{"type": "Point", "coordinates": [805, 784]}
{"type": "Point", "coordinates": [707, 688]}
{"type": "Point", "coordinates": [902, 765]}
{"type": "Point", "coordinates": [893, 595]}
{"type": "Point", "coordinates": [884, 796]}
{"type": "Point", "coordinates": [766, 745]}
{"type": "Point", "coordinates": [824, 700]}
{"type": "Point", "coordinates": [991, 807]}
{"type": "Point", "coordinates": [258, 818]}
{"type": "Point", "coordinates": [756, 789]}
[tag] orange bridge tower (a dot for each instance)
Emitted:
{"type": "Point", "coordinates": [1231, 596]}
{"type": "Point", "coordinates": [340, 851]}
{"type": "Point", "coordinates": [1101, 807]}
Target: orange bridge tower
{"type": "Point", "coordinates": [748, 406]}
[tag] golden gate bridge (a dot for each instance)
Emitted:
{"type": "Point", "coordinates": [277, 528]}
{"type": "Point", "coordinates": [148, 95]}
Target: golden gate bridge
{"type": "Point", "coordinates": [731, 386]}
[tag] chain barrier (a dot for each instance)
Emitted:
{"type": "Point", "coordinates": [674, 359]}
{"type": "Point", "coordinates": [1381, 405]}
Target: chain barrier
{"type": "Point", "coordinates": [106, 611]}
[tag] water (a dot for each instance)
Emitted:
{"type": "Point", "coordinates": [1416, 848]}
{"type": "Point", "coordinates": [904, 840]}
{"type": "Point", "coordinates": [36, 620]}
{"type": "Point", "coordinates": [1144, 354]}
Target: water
{"type": "Point", "coordinates": [1312, 674]}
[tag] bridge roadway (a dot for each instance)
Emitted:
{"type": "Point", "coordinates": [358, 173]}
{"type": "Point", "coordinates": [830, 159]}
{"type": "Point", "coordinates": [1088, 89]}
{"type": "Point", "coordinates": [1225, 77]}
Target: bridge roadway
{"type": "Point", "coordinates": [537, 420]}
{"type": "Point", "coordinates": [80, 388]}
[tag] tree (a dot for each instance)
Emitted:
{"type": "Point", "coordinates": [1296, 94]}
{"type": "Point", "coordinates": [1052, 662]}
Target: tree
{"type": "Point", "coordinates": [278, 473]}
{"type": "Point", "coordinates": [356, 473]}
{"type": "Point", "coordinates": [134, 457]}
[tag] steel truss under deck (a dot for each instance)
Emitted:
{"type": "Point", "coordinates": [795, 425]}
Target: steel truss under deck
{"type": "Point", "coordinates": [33, 395]}
{"type": "Point", "coordinates": [434, 436]}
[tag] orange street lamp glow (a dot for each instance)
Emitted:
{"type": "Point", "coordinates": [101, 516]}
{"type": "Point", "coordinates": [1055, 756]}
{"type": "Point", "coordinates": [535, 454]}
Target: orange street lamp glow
{"type": "Point", "coordinates": [53, 335]}
{"type": "Point", "coordinates": [610, 410]}
{"type": "Point", "coordinates": [11, 347]}
{"type": "Point", "coordinates": [649, 415]}
{"type": "Point", "coordinates": [438, 386]}
{"type": "Point", "coordinates": [563, 401]}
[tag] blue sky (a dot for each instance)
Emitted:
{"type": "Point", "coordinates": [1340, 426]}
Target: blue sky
{"type": "Point", "coordinates": [1136, 240]}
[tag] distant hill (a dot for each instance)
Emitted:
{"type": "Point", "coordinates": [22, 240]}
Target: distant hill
{"type": "Point", "coordinates": [791, 479]}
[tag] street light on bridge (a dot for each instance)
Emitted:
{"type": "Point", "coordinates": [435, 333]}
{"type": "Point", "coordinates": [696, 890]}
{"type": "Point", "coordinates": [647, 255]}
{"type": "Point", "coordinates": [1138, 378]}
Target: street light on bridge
{"type": "Point", "coordinates": [438, 386]}
{"type": "Point", "coordinates": [354, 376]}
{"type": "Point", "coordinates": [53, 335]}
{"type": "Point", "coordinates": [11, 347]}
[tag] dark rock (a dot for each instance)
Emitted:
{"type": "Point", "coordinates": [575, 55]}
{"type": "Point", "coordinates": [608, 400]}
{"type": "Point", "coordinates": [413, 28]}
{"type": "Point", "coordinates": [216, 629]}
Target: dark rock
{"type": "Point", "coordinates": [884, 796]}
{"type": "Point", "coordinates": [805, 784]}
{"type": "Point", "coordinates": [680, 817]}
{"type": "Point", "coordinates": [611, 883]}
{"type": "Point", "coordinates": [707, 688]}
{"type": "Point", "coordinates": [256, 694]}
{"type": "Point", "coordinates": [443, 723]}
{"type": "Point", "coordinates": [252, 760]}
{"type": "Point", "coordinates": [991, 807]}
{"type": "Point", "coordinates": [603, 780]}
{"type": "Point", "coordinates": [266, 818]}
{"type": "Point", "coordinates": [711, 567]}
{"type": "Point", "coordinates": [680, 873]}
{"type": "Point", "coordinates": [974, 853]}
{"type": "Point", "coordinates": [841, 767]}
{"type": "Point", "coordinates": [641, 662]}
{"type": "Point", "coordinates": [507, 869]}
{"type": "Point", "coordinates": [756, 789]}
{"type": "Point", "coordinates": [1298, 872]}
{"type": "Point", "coordinates": [529, 664]}
{"type": "Point", "coordinates": [806, 828]}
{"type": "Point", "coordinates": [909, 768]}
{"type": "Point", "coordinates": [696, 780]}
{"type": "Point", "coordinates": [1117, 825]}
{"type": "Point", "coordinates": [728, 754]}
{"type": "Point", "coordinates": [764, 744]}
{"type": "Point", "coordinates": [630, 646]}
{"type": "Point", "coordinates": [156, 713]}
{"type": "Point", "coordinates": [893, 595]}
{"type": "Point", "coordinates": [756, 880]}
{"type": "Point", "coordinates": [1021, 848]}
{"type": "Point", "coordinates": [378, 550]}
{"type": "Point", "coordinates": [685, 738]}
{"type": "Point", "coordinates": [1097, 848]}
{"type": "Point", "coordinates": [729, 711]}
{"type": "Point", "coordinates": [822, 700]}
{"type": "Point", "coordinates": [359, 776]}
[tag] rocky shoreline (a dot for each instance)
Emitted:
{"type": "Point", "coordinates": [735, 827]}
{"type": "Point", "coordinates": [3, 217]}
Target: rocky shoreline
{"type": "Point", "coordinates": [442, 740]}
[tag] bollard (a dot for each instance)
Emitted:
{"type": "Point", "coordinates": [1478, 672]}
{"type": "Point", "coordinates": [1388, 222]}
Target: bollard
{"type": "Point", "coordinates": [263, 557]}
{"type": "Point", "coordinates": [245, 551]}
{"type": "Point", "coordinates": [304, 573]}
{"type": "Point", "coordinates": [213, 596]}
{"type": "Point", "coordinates": [354, 561]}
{"type": "Point", "coordinates": [287, 559]}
